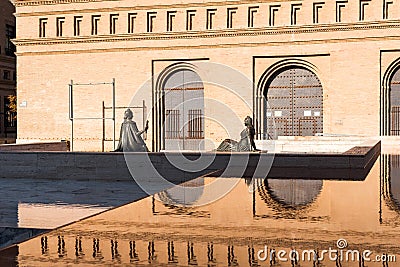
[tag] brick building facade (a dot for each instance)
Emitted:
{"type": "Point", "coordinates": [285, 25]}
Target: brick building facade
{"type": "Point", "coordinates": [325, 67]}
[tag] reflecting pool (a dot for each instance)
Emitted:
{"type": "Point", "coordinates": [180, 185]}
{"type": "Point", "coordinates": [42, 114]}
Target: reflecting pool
{"type": "Point", "coordinates": [294, 217]}
{"type": "Point", "coordinates": [32, 206]}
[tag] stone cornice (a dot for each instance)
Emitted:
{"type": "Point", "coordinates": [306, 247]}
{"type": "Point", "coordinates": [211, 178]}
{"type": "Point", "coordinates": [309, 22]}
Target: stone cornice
{"type": "Point", "coordinates": [20, 3]}
{"type": "Point", "coordinates": [211, 34]}
{"type": "Point", "coordinates": [210, 46]}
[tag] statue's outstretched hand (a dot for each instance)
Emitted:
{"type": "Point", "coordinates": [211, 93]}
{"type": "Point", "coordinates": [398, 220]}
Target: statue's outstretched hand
{"type": "Point", "coordinates": [147, 126]}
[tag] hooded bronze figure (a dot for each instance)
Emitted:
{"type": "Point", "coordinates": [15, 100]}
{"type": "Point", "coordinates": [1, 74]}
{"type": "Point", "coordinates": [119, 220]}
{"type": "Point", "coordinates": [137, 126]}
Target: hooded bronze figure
{"type": "Point", "coordinates": [130, 139]}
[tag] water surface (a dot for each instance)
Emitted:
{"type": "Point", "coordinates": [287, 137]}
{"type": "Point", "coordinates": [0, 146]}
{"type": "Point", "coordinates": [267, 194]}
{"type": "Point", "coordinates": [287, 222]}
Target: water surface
{"type": "Point", "coordinates": [286, 215]}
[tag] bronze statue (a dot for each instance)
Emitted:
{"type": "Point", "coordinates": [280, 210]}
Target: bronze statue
{"type": "Point", "coordinates": [246, 142]}
{"type": "Point", "coordinates": [130, 139]}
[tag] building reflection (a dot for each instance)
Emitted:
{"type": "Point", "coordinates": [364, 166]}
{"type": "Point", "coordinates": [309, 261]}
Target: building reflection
{"type": "Point", "coordinates": [186, 194]}
{"type": "Point", "coordinates": [78, 247]}
{"type": "Point", "coordinates": [61, 250]}
{"type": "Point", "coordinates": [279, 213]}
{"type": "Point", "coordinates": [286, 198]}
{"type": "Point", "coordinates": [390, 186]}
{"type": "Point", "coordinates": [96, 249]}
{"type": "Point", "coordinates": [172, 258]}
{"type": "Point", "coordinates": [391, 180]}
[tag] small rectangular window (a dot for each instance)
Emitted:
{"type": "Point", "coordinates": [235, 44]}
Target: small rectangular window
{"type": "Point", "coordinates": [340, 5]}
{"type": "Point", "coordinates": [95, 24]}
{"type": "Point", "coordinates": [386, 4]}
{"type": "Point", "coordinates": [229, 20]}
{"type": "Point", "coordinates": [131, 22]}
{"type": "Point", "coordinates": [316, 9]}
{"type": "Point", "coordinates": [113, 23]}
{"type": "Point", "coordinates": [42, 27]}
{"type": "Point", "coordinates": [210, 18]}
{"type": "Point", "coordinates": [294, 13]}
{"type": "Point", "coordinates": [273, 9]}
{"type": "Point", "coordinates": [189, 19]}
{"type": "Point", "coordinates": [250, 16]}
{"type": "Point", "coordinates": [77, 25]}
{"type": "Point", "coordinates": [363, 4]}
{"type": "Point", "coordinates": [60, 23]}
{"type": "Point", "coordinates": [170, 20]}
{"type": "Point", "coordinates": [150, 21]}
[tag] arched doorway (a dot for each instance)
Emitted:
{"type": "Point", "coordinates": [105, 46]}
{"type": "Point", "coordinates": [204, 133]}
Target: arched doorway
{"type": "Point", "coordinates": [394, 98]}
{"type": "Point", "coordinates": [294, 103]}
{"type": "Point", "coordinates": [183, 111]}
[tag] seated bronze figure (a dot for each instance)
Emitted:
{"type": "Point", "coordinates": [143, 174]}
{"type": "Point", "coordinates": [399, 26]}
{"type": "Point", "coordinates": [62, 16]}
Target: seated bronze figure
{"type": "Point", "coordinates": [246, 142]}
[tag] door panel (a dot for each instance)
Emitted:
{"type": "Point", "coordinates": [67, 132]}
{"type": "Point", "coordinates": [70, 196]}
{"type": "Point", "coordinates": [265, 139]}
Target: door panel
{"type": "Point", "coordinates": [295, 104]}
{"type": "Point", "coordinates": [184, 111]}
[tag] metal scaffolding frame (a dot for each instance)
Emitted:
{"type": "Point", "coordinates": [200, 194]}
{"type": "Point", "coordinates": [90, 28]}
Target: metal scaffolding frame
{"type": "Point", "coordinates": [71, 108]}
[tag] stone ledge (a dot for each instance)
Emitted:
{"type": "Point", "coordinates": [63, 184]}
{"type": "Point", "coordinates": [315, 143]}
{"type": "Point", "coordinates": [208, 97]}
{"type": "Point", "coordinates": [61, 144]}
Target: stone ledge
{"type": "Point", "coordinates": [34, 147]}
{"type": "Point", "coordinates": [113, 166]}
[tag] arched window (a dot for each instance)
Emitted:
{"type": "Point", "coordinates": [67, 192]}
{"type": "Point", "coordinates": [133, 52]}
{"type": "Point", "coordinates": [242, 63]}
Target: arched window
{"type": "Point", "coordinates": [294, 104]}
{"type": "Point", "coordinates": [394, 111]}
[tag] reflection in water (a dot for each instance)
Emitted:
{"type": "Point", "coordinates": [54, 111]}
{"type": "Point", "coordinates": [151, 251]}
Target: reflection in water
{"type": "Point", "coordinates": [144, 233]}
{"type": "Point", "coordinates": [210, 254]}
{"type": "Point", "coordinates": [390, 185]}
{"type": "Point", "coordinates": [253, 261]}
{"type": "Point", "coordinates": [292, 193]}
{"type": "Point", "coordinates": [185, 195]}
{"type": "Point", "coordinates": [192, 259]}
{"type": "Point", "coordinates": [61, 247]}
{"type": "Point", "coordinates": [96, 249]}
{"type": "Point", "coordinates": [45, 248]}
{"type": "Point", "coordinates": [78, 247]}
{"type": "Point", "coordinates": [114, 251]}
{"type": "Point", "coordinates": [232, 260]}
{"type": "Point", "coordinates": [289, 198]}
{"type": "Point", "coordinates": [134, 257]}
{"type": "Point", "coordinates": [394, 180]}
{"type": "Point", "coordinates": [152, 257]}
{"type": "Point", "coordinates": [172, 258]}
